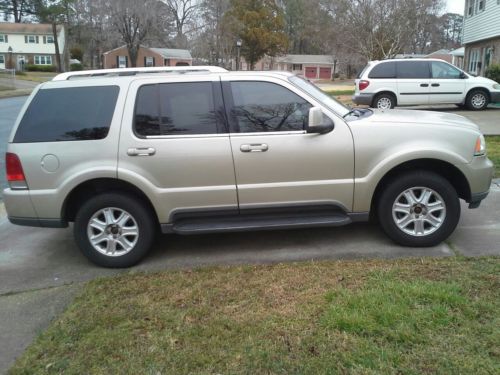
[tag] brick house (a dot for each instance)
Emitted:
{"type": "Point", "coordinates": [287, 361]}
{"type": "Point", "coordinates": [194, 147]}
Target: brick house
{"type": "Point", "coordinates": [119, 57]}
{"type": "Point", "coordinates": [29, 43]}
{"type": "Point", "coordinates": [481, 35]}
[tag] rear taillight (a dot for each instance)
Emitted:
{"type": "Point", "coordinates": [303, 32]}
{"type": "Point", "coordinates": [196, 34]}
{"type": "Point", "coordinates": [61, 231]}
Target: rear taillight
{"type": "Point", "coordinates": [363, 85]}
{"type": "Point", "coordinates": [15, 174]}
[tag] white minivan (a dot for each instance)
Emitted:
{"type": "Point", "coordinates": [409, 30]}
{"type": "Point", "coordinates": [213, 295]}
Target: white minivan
{"type": "Point", "coordinates": [389, 83]}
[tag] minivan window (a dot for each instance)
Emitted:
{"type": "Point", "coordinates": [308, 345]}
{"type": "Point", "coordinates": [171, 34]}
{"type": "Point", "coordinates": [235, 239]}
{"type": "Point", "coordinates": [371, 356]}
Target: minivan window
{"type": "Point", "coordinates": [413, 69]}
{"type": "Point", "coordinates": [175, 109]}
{"type": "Point", "coordinates": [68, 114]}
{"type": "Point", "coordinates": [445, 71]}
{"type": "Point", "coordinates": [268, 107]}
{"type": "Point", "coordinates": [383, 70]}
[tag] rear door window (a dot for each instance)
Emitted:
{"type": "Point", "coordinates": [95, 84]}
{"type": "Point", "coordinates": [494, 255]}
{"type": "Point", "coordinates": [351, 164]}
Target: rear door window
{"type": "Point", "coordinates": [413, 69]}
{"type": "Point", "coordinates": [175, 109]}
{"type": "Point", "coordinates": [383, 70]}
{"type": "Point", "coordinates": [68, 114]}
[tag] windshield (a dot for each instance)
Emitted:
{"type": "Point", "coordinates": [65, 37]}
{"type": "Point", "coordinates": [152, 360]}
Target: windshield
{"type": "Point", "coordinates": [321, 96]}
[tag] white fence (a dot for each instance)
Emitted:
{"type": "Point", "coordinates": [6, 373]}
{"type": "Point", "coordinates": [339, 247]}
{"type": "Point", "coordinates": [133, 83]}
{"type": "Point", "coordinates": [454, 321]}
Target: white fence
{"type": "Point", "coordinates": [7, 79]}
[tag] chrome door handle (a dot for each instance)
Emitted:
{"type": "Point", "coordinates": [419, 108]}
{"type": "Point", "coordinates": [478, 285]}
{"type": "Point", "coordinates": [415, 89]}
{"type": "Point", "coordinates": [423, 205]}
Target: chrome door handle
{"type": "Point", "coordinates": [254, 147]}
{"type": "Point", "coordinates": [141, 151]}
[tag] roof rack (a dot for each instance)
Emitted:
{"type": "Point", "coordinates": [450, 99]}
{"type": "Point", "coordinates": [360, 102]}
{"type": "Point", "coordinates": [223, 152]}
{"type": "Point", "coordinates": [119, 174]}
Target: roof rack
{"type": "Point", "coordinates": [127, 72]}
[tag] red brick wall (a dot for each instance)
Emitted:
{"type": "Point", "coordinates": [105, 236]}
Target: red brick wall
{"type": "Point", "coordinates": [110, 59]}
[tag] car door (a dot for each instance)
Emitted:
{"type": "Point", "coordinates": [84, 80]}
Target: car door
{"type": "Point", "coordinates": [276, 162]}
{"type": "Point", "coordinates": [175, 147]}
{"type": "Point", "coordinates": [413, 82]}
{"type": "Point", "coordinates": [447, 86]}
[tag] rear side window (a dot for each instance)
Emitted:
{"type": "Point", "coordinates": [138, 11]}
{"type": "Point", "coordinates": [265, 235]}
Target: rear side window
{"type": "Point", "coordinates": [175, 109]}
{"type": "Point", "coordinates": [383, 70]}
{"type": "Point", "coordinates": [413, 69]}
{"type": "Point", "coordinates": [68, 114]}
{"type": "Point", "coordinates": [268, 107]}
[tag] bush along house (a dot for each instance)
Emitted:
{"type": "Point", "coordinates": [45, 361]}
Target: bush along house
{"type": "Point", "coordinates": [30, 46]}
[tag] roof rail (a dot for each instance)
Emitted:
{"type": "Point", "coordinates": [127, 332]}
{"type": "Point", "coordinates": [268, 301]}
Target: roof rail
{"type": "Point", "coordinates": [126, 72]}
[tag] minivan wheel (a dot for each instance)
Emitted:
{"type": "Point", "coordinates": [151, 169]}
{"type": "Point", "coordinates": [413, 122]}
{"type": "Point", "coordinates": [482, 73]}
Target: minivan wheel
{"type": "Point", "coordinates": [114, 230]}
{"type": "Point", "coordinates": [419, 209]}
{"type": "Point", "coordinates": [384, 101]}
{"type": "Point", "coordinates": [477, 100]}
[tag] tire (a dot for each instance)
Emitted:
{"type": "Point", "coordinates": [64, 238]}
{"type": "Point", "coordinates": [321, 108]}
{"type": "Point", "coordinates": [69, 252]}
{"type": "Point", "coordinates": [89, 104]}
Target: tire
{"type": "Point", "coordinates": [477, 100]}
{"type": "Point", "coordinates": [108, 213]}
{"type": "Point", "coordinates": [433, 225]}
{"type": "Point", "coordinates": [384, 101]}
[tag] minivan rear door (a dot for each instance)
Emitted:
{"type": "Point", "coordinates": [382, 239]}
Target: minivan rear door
{"type": "Point", "coordinates": [413, 80]}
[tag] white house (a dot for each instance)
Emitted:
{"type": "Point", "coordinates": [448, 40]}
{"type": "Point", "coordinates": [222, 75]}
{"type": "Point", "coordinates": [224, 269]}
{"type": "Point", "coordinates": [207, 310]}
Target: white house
{"type": "Point", "coordinates": [28, 43]}
{"type": "Point", "coordinates": [481, 35]}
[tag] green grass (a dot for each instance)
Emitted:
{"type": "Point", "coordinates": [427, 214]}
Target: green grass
{"type": "Point", "coordinates": [493, 149]}
{"type": "Point", "coordinates": [4, 88]}
{"type": "Point", "coordinates": [362, 317]}
{"type": "Point", "coordinates": [340, 92]}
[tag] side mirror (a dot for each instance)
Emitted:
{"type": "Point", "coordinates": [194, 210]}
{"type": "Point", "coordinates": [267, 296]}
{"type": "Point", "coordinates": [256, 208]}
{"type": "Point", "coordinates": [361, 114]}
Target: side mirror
{"type": "Point", "coordinates": [317, 124]}
{"type": "Point", "coordinates": [463, 75]}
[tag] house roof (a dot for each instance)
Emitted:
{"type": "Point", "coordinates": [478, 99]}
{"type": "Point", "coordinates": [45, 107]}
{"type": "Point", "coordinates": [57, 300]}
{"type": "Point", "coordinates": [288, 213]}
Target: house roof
{"type": "Point", "coordinates": [27, 28]}
{"type": "Point", "coordinates": [440, 52]}
{"type": "Point", "coordinates": [460, 52]}
{"type": "Point", "coordinates": [172, 53]}
{"type": "Point", "coordinates": [306, 59]}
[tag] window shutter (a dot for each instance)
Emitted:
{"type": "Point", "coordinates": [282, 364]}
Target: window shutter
{"type": "Point", "coordinates": [44, 39]}
{"type": "Point", "coordinates": [37, 39]}
{"type": "Point", "coordinates": [6, 38]}
{"type": "Point", "coordinates": [26, 39]}
{"type": "Point", "coordinates": [117, 61]}
{"type": "Point", "coordinates": [126, 61]}
{"type": "Point", "coordinates": [154, 63]}
{"type": "Point", "coordinates": [145, 61]}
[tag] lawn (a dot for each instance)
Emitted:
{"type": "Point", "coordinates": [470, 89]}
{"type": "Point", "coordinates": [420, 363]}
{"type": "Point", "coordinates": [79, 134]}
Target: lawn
{"type": "Point", "coordinates": [361, 317]}
{"type": "Point", "coordinates": [36, 76]}
{"type": "Point", "coordinates": [493, 149]}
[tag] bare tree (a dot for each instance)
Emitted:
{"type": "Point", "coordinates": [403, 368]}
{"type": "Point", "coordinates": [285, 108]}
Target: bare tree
{"type": "Point", "coordinates": [16, 8]}
{"type": "Point", "coordinates": [184, 13]}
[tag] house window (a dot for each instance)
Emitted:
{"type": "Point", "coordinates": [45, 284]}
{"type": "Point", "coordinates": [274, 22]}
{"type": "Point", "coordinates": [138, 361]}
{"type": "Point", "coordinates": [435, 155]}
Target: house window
{"type": "Point", "coordinates": [49, 39]}
{"type": "Point", "coordinates": [297, 67]}
{"type": "Point", "coordinates": [480, 5]}
{"type": "Point", "coordinates": [470, 7]}
{"type": "Point", "coordinates": [31, 39]}
{"type": "Point", "coordinates": [474, 61]}
{"type": "Point", "coordinates": [122, 61]}
{"type": "Point", "coordinates": [43, 60]}
{"type": "Point", "coordinates": [2, 59]}
{"type": "Point", "coordinates": [4, 38]}
{"type": "Point", "coordinates": [150, 61]}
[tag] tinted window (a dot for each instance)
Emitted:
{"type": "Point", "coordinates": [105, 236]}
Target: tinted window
{"type": "Point", "coordinates": [413, 69]}
{"type": "Point", "coordinates": [267, 107]}
{"type": "Point", "coordinates": [443, 70]}
{"type": "Point", "coordinates": [383, 70]}
{"type": "Point", "coordinates": [68, 114]}
{"type": "Point", "coordinates": [175, 109]}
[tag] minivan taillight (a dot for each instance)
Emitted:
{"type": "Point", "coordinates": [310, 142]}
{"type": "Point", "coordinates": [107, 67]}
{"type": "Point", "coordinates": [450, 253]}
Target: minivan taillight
{"type": "Point", "coordinates": [15, 173]}
{"type": "Point", "coordinates": [363, 85]}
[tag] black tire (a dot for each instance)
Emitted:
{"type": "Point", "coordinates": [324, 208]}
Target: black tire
{"type": "Point", "coordinates": [142, 220]}
{"type": "Point", "coordinates": [386, 97]}
{"type": "Point", "coordinates": [416, 179]}
{"type": "Point", "coordinates": [473, 101]}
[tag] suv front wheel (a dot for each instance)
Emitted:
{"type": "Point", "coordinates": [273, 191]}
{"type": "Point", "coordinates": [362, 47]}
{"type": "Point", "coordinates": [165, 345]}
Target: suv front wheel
{"type": "Point", "coordinates": [419, 209]}
{"type": "Point", "coordinates": [114, 230]}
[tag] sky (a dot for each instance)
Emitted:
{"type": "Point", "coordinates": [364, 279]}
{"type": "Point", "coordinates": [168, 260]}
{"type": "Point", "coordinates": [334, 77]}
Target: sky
{"type": "Point", "coordinates": [455, 6]}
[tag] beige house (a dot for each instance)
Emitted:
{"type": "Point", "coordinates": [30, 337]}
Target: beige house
{"type": "Point", "coordinates": [147, 57]}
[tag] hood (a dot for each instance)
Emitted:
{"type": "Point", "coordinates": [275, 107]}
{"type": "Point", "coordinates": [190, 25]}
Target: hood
{"type": "Point", "coordinates": [411, 117]}
{"type": "Point", "coordinates": [484, 80]}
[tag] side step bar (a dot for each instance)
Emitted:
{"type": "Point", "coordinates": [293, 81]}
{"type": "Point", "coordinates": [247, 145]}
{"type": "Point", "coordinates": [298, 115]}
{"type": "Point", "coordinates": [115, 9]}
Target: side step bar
{"type": "Point", "coordinates": [254, 222]}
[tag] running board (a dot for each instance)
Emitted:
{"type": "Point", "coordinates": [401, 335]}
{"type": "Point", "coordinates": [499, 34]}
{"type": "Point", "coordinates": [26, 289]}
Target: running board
{"type": "Point", "coordinates": [244, 223]}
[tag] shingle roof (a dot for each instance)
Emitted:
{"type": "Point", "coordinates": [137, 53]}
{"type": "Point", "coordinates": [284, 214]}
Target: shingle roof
{"type": "Point", "coordinates": [306, 59]}
{"type": "Point", "coordinates": [27, 28]}
{"type": "Point", "coordinates": [171, 53]}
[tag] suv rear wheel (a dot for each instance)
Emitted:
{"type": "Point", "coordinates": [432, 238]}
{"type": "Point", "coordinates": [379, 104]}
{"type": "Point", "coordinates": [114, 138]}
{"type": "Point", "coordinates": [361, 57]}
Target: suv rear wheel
{"type": "Point", "coordinates": [114, 230]}
{"type": "Point", "coordinates": [384, 101]}
{"type": "Point", "coordinates": [477, 100]}
{"type": "Point", "coordinates": [419, 209]}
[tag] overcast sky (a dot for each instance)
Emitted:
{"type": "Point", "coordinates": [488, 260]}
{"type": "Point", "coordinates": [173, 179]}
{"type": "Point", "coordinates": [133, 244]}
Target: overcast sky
{"type": "Point", "coordinates": [455, 6]}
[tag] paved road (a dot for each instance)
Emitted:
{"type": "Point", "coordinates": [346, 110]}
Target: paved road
{"type": "Point", "coordinates": [9, 109]}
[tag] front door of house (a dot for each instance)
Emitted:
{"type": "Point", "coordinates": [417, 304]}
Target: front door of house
{"type": "Point", "coordinates": [21, 62]}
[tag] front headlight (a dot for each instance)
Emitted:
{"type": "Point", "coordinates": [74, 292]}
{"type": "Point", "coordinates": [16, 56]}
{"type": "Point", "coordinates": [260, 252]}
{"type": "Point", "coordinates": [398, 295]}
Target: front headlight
{"type": "Point", "coordinates": [496, 86]}
{"type": "Point", "coordinates": [480, 148]}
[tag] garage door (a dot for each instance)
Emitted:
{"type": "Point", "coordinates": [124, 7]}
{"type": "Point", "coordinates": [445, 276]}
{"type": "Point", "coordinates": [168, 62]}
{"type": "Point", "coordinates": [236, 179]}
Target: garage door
{"type": "Point", "coordinates": [311, 72]}
{"type": "Point", "coordinates": [325, 73]}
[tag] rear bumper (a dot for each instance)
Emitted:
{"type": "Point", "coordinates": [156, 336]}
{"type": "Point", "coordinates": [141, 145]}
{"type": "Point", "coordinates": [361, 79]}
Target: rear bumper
{"type": "Point", "coordinates": [363, 99]}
